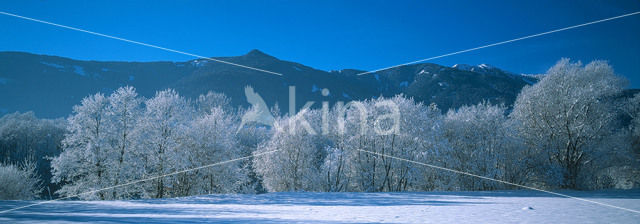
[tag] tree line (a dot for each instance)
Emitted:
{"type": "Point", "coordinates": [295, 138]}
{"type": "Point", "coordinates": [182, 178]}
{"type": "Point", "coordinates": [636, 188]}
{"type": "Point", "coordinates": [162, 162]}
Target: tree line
{"type": "Point", "coordinates": [572, 129]}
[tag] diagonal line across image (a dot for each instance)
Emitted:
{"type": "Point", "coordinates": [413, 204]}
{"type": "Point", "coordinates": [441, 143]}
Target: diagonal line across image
{"type": "Point", "coordinates": [139, 43]}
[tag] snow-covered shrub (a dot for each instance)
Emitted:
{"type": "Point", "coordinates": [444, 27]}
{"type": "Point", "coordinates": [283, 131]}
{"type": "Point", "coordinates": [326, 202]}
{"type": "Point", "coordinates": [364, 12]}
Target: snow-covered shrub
{"type": "Point", "coordinates": [19, 181]}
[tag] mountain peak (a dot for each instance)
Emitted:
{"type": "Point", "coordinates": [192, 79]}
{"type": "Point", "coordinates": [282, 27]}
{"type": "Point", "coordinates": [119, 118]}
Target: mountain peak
{"type": "Point", "coordinates": [255, 53]}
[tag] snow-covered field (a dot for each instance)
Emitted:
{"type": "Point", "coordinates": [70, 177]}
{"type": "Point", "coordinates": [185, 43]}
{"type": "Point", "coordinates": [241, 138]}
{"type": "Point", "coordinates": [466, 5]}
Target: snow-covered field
{"type": "Point", "coordinates": [429, 207]}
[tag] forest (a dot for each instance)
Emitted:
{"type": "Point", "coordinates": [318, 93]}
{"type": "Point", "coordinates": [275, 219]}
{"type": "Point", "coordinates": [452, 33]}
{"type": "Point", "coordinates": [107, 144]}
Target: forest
{"type": "Point", "coordinates": [573, 129]}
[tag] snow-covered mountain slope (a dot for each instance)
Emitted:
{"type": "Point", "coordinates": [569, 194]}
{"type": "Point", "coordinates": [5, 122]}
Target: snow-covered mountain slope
{"type": "Point", "coordinates": [430, 207]}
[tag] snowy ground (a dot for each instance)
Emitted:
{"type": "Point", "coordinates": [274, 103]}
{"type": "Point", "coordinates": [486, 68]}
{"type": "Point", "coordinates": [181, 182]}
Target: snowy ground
{"type": "Point", "coordinates": [430, 207]}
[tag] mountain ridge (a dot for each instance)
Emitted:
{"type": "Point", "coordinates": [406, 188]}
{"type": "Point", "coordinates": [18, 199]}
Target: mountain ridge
{"type": "Point", "coordinates": [51, 85]}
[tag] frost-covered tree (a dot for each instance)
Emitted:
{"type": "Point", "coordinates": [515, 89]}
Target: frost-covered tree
{"type": "Point", "coordinates": [329, 157]}
{"type": "Point", "coordinates": [633, 110]}
{"type": "Point", "coordinates": [99, 149]}
{"type": "Point", "coordinates": [618, 166]}
{"type": "Point", "coordinates": [122, 138]}
{"type": "Point", "coordinates": [163, 129]}
{"type": "Point", "coordinates": [24, 136]}
{"type": "Point", "coordinates": [567, 115]}
{"type": "Point", "coordinates": [480, 144]}
{"type": "Point", "coordinates": [336, 175]}
{"type": "Point", "coordinates": [123, 112]}
{"type": "Point", "coordinates": [83, 163]}
{"type": "Point", "coordinates": [209, 141]}
{"type": "Point", "coordinates": [414, 138]}
{"type": "Point", "coordinates": [206, 102]}
{"type": "Point", "coordinates": [296, 164]}
{"type": "Point", "coordinates": [249, 138]}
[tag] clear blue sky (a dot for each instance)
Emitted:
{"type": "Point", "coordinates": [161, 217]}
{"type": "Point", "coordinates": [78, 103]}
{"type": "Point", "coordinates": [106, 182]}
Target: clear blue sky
{"type": "Point", "coordinates": [334, 34]}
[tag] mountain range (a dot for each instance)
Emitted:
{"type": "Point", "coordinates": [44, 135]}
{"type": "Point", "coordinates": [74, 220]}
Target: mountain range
{"type": "Point", "coordinates": [51, 85]}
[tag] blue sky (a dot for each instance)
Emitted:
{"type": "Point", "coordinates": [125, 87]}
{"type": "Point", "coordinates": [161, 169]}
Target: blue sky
{"type": "Point", "coordinates": [334, 34]}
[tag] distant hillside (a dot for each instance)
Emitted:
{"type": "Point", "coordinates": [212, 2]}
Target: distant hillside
{"type": "Point", "coordinates": [51, 85]}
